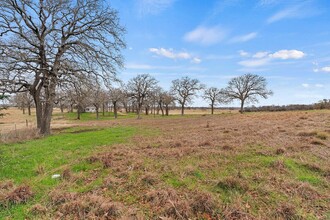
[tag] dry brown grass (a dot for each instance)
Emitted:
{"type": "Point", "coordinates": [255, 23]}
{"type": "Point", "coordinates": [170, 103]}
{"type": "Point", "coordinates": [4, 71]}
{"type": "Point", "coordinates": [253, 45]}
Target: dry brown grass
{"type": "Point", "coordinates": [15, 121]}
{"type": "Point", "coordinates": [227, 166]}
{"type": "Point", "coordinates": [9, 194]}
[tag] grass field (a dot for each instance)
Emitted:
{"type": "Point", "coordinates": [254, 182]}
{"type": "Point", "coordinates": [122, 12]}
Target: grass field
{"type": "Point", "coordinates": [225, 166]}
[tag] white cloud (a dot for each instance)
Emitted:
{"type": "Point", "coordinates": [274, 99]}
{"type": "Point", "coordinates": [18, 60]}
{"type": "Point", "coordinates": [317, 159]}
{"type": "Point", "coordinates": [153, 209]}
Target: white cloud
{"type": "Point", "coordinates": [288, 54]}
{"type": "Point", "coordinates": [285, 13]}
{"type": "Point", "coordinates": [171, 54]}
{"type": "Point", "coordinates": [138, 66]}
{"type": "Point", "coordinates": [243, 53]}
{"type": "Point", "coordinates": [302, 10]}
{"type": "Point", "coordinates": [206, 35]}
{"type": "Point", "coordinates": [319, 85]}
{"type": "Point", "coordinates": [306, 85]}
{"type": "Point", "coordinates": [244, 38]}
{"type": "Point", "coordinates": [323, 69]}
{"type": "Point", "coordinates": [254, 62]}
{"type": "Point", "coordinates": [260, 54]}
{"type": "Point", "coordinates": [153, 7]}
{"type": "Point", "coordinates": [262, 58]}
{"type": "Point", "coordinates": [196, 60]}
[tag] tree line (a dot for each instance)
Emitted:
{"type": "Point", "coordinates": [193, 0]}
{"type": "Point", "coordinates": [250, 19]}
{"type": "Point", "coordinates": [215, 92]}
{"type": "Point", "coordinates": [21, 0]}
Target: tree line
{"type": "Point", "coordinates": [143, 94]}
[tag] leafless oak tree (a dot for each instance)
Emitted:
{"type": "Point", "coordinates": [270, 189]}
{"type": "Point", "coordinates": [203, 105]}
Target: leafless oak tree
{"type": "Point", "coordinates": [140, 88]}
{"type": "Point", "coordinates": [168, 100]}
{"type": "Point", "coordinates": [215, 96]}
{"type": "Point", "coordinates": [22, 101]}
{"type": "Point", "coordinates": [184, 90]}
{"type": "Point", "coordinates": [247, 88]}
{"type": "Point", "coordinates": [116, 95]}
{"type": "Point", "coordinates": [42, 41]}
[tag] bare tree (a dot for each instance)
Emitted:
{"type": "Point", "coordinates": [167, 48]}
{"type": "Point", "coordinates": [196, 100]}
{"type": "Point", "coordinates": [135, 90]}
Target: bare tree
{"type": "Point", "coordinates": [23, 100]}
{"type": "Point", "coordinates": [168, 100]}
{"type": "Point", "coordinates": [43, 40]}
{"type": "Point", "coordinates": [61, 100]}
{"type": "Point", "coordinates": [78, 89]}
{"type": "Point", "coordinates": [2, 105]}
{"type": "Point", "coordinates": [184, 90]}
{"type": "Point", "coordinates": [116, 95]}
{"type": "Point", "coordinates": [140, 88]}
{"type": "Point", "coordinates": [215, 96]}
{"type": "Point", "coordinates": [96, 96]}
{"type": "Point", "coordinates": [247, 89]}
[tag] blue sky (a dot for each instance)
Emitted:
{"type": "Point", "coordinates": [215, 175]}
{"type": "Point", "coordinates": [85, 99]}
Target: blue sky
{"type": "Point", "coordinates": [286, 41]}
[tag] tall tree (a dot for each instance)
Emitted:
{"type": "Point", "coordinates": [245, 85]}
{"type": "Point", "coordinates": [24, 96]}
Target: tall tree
{"type": "Point", "coordinates": [2, 105]}
{"type": "Point", "coordinates": [184, 90]}
{"type": "Point", "coordinates": [140, 88]}
{"type": "Point", "coordinates": [23, 100]}
{"type": "Point", "coordinates": [247, 88]}
{"type": "Point", "coordinates": [78, 90]}
{"type": "Point", "coordinates": [168, 100]}
{"type": "Point", "coordinates": [116, 95]}
{"type": "Point", "coordinates": [44, 40]}
{"type": "Point", "coordinates": [215, 96]}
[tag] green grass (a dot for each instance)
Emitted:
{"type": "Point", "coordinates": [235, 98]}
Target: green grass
{"type": "Point", "coordinates": [302, 173]}
{"type": "Point", "coordinates": [20, 162]}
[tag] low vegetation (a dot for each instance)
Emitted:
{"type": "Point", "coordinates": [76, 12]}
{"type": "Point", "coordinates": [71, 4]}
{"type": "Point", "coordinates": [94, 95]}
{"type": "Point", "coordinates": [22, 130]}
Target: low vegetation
{"type": "Point", "coordinates": [227, 166]}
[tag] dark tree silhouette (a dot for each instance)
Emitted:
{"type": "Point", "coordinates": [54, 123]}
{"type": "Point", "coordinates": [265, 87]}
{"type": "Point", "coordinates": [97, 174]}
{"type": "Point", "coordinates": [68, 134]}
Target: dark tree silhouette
{"type": "Point", "coordinates": [184, 90]}
{"type": "Point", "coordinates": [247, 88]}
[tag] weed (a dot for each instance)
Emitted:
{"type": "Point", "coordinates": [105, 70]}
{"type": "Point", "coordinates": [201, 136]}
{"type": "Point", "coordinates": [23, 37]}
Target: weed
{"type": "Point", "coordinates": [286, 211]}
{"type": "Point", "coordinates": [38, 209]}
{"type": "Point", "coordinates": [307, 133]}
{"type": "Point", "coordinates": [20, 194]}
{"type": "Point", "coordinates": [280, 151]}
{"type": "Point", "coordinates": [232, 183]}
{"type": "Point", "coordinates": [149, 179]}
{"type": "Point", "coordinates": [322, 135]}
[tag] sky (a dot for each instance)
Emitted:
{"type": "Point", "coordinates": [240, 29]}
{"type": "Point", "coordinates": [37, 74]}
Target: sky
{"type": "Point", "coordinates": [285, 41]}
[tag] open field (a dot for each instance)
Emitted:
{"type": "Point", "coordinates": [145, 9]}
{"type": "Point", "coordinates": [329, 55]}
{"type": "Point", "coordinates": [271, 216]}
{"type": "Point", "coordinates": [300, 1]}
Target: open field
{"type": "Point", "coordinates": [225, 166]}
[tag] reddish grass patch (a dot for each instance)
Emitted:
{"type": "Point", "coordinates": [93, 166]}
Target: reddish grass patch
{"type": "Point", "coordinates": [20, 194]}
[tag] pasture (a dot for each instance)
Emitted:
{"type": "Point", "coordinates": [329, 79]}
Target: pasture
{"type": "Point", "coordinates": [197, 166]}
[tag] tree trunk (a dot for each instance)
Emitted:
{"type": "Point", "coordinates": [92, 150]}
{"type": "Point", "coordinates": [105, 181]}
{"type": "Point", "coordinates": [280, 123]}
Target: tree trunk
{"type": "Point", "coordinates": [147, 111]}
{"type": "Point", "coordinates": [182, 109]}
{"type": "Point", "coordinates": [37, 102]}
{"type": "Point", "coordinates": [46, 119]}
{"type": "Point", "coordinates": [78, 112]}
{"type": "Point", "coordinates": [47, 109]}
{"type": "Point", "coordinates": [97, 112]}
{"type": "Point", "coordinates": [212, 108]}
{"type": "Point", "coordinates": [29, 110]}
{"type": "Point", "coordinates": [162, 109]}
{"type": "Point", "coordinates": [138, 110]}
{"type": "Point", "coordinates": [115, 109]}
{"type": "Point", "coordinates": [242, 107]}
{"type": "Point", "coordinates": [23, 108]}
{"type": "Point", "coordinates": [166, 110]}
{"type": "Point", "coordinates": [103, 109]}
